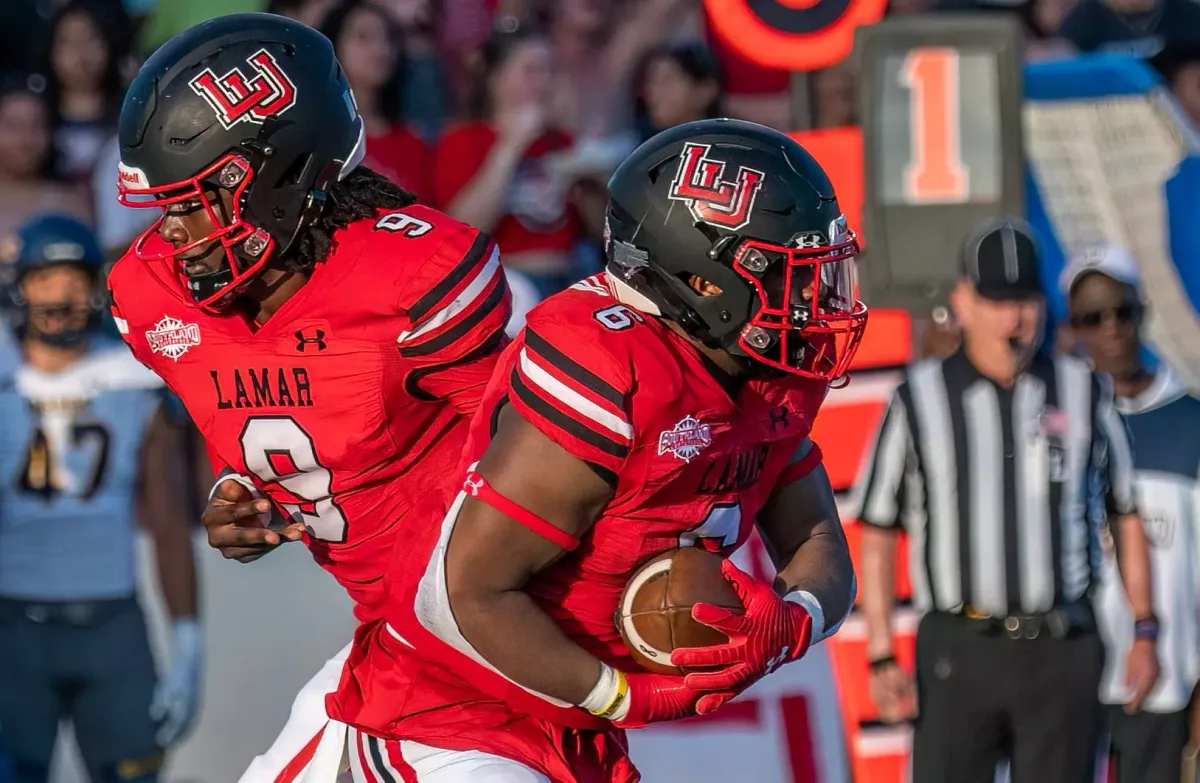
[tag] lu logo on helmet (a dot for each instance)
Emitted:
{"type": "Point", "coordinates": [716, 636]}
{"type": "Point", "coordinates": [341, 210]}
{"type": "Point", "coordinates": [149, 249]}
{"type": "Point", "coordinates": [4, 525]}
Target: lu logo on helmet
{"type": "Point", "coordinates": [236, 98]}
{"type": "Point", "coordinates": [711, 199]}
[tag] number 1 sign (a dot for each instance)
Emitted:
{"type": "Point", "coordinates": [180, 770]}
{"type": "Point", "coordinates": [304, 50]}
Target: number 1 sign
{"type": "Point", "coordinates": [941, 121]}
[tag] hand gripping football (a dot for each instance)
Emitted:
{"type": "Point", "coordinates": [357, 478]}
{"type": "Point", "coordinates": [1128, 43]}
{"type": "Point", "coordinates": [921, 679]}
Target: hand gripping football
{"type": "Point", "coordinates": [655, 614]}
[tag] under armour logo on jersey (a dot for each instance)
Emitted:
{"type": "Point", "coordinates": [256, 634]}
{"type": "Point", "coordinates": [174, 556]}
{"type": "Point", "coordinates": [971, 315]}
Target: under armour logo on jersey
{"type": "Point", "coordinates": [472, 484]}
{"type": "Point", "coordinates": [777, 661]}
{"type": "Point", "coordinates": [269, 92]}
{"type": "Point", "coordinates": [779, 418]}
{"type": "Point", "coordinates": [711, 199]}
{"type": "Point", "coordinates": [318, 339]}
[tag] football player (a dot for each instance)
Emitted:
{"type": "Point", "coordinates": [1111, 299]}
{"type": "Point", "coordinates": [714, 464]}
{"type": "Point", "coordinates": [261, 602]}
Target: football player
{"type": "Point", "coordinates": [329, 337]}
{"type": "Point", "coordinates": [666, 403]}
{"type": "Point", "coordinates": [86, 450]}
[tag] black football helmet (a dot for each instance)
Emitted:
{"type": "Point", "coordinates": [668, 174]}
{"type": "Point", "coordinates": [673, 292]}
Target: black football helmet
{"type": "Point", "coordinates": [747, 209]}
{"type": "Point", "coordinates": [255, 104]}
{"type": "Point", "coordinates": [47, 241]}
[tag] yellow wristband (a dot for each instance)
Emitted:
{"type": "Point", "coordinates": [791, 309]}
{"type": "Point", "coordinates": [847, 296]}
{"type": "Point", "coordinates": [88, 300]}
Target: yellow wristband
{"type": "Point", "coordinates": [618, 698]}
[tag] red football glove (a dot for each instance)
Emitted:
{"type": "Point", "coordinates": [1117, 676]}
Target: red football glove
{"type": "Point", "coordinates": [657, 697]}
{"type": "Point", "coordinates": [769, 633]}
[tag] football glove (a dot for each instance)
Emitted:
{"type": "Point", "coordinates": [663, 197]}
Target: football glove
{"type": "Point", "coordinates": [768, 633]}
{"type": "Point", "coordinates": [177, 692]}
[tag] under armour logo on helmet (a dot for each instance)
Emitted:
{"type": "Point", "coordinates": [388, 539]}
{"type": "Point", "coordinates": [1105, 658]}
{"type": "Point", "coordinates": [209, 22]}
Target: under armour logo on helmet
{"type": "Point", "coordinates": [711, 199]}
{"type": "Point", "coordinates": [235, 98]}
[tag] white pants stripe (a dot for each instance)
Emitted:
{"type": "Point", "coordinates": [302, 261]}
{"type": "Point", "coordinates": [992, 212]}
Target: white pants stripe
{"type": "Point", "coordinates": [373, 760]}
{"type": "Point", "coordinates": [346, 755]}
{"type": "Point", "coordinates": [306, 721]}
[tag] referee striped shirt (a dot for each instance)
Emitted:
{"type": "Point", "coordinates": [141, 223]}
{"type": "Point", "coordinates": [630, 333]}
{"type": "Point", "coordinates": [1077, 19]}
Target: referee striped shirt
{"type": "Point", "coordinates": [999, 488]}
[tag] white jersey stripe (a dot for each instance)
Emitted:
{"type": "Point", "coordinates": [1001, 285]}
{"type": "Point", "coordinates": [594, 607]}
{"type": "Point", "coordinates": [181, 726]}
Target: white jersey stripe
{"type": "Point", "coordinates": [538, 376]}
{"type": "Point", "coordinates": [355, 751]}
{"type": "Point", "coordinates": [461, 302]}
{"type": "Point", "coordinates": [432, 607]}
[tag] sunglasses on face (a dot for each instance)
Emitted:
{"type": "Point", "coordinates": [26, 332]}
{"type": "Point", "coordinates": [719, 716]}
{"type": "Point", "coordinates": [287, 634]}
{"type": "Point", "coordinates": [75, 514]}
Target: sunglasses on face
{"type": "Point", "coordinates": [1122, 315]}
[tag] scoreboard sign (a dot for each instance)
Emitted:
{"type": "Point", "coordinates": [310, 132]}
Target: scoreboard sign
{"type": "Point", "coordinates": [941, 117]}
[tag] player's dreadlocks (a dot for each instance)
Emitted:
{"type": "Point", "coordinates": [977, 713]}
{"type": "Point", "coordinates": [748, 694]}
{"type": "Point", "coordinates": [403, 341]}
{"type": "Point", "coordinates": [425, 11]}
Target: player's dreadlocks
{"type": "Point", "coordinates": [362, 194]}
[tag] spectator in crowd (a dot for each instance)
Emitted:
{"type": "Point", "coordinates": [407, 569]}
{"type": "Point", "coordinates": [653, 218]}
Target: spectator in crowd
{"type": "Point", "coordinates": [311, 12]}
{"type": "Point", "coordinates": [369, 47]}
{"type": "Point", "coordinates": [423, 101]}
{"type": "Point", "coordinates": [494, 170]}
{"type": "Point", "coordinates": [1142, 28]}
{"type": "Point", "coordinates": [1104, 296]}
{"type": "Point", "coordinates": [677, 83]}
{"type": "Point", "coordinates": [459, 43]}
{"type": "Point", "coordinates": [84, 87]}
{"type": "Point", "coordinates": [27, 160]}
{"type": "Point", "coordinates": [597, 49]}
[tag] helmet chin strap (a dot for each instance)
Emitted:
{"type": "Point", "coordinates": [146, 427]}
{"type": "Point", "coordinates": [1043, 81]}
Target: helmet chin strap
{"type": "Point", "coordinates": [205, 285]}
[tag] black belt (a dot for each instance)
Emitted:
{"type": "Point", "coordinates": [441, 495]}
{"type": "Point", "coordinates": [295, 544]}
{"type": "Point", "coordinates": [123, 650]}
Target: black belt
{"type": "Point", "coordinates": [73, 613]}
{"type": "Point", "coordinates": [1062, 622]}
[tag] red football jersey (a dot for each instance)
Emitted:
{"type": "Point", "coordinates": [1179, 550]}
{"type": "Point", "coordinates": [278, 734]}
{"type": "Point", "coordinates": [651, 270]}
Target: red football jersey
{"type": "Point", "coordinates": [691, 465]}
{"type": "Point", "coordinates": [353, 399]}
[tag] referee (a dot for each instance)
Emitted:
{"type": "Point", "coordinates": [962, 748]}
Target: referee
{"type": "Point", "coordinates": [998, 461]}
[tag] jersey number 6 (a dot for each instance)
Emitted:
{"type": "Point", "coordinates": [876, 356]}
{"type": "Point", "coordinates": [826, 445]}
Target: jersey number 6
{"type": "Point", "coordinates": [277, 451]}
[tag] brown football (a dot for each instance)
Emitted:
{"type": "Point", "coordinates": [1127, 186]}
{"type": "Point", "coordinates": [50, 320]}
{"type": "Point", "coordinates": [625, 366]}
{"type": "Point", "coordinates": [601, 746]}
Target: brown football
{"type": "Point", "coordinates": [655, 615]}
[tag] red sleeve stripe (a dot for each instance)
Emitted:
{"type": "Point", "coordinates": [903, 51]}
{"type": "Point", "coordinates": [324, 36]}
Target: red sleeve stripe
{"type": "Point", "coordinates": [478, 487]}
{"type": "Point", "coordinates": [463, 301]}
{"type": "Point", "coordinates": [801, 467]}
{"type": "Point", "coordinates": [548, 386]}
{"type": "Point", "coordinates": [475, 257]}
{"type": "Point", "coordinates": [550, 356]}
{"type": "Point", "coordinates": [539, 408]}
{"type": "Point", "coordinates": [494, 304]}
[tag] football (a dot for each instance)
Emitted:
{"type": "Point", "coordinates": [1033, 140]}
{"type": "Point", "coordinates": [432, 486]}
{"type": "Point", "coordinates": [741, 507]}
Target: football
{"type": "Point", "coordinates": [655, 614]}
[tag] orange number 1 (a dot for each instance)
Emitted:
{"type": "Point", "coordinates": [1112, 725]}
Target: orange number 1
{"type": "Point", "coordinates": [936, 171]}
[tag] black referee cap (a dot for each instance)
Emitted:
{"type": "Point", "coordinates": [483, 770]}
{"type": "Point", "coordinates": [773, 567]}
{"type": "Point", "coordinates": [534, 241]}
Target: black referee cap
{"type": "Point", "coordinates": [1001, 260]}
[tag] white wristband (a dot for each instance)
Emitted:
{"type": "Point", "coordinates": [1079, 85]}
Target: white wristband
{"type": "Point", "coordinates": [245, 481]}
{"type": "Point", "coordinates": [604, 691]}
{"type": "Point", "coordinates": [817, 612]}
{"type": "Point", "coordinates": [609, 693]}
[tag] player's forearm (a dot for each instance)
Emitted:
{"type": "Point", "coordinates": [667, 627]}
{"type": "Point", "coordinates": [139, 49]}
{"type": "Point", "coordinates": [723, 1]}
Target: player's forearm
{"type": "Point", "coordinates": [161, 515]}
{"type": "Point", "coordinates": [804, 536]}
{"type": "Point", "coordinates": [514, 635]}
{"type": "Point", "coordinates": [1133, 558]}
{"type": "Point", "coordinates": [176, 572]}
{"type": "Point", "coordinates": [822, 568]}
{"type": "Point", "coordinates": [878, 557]}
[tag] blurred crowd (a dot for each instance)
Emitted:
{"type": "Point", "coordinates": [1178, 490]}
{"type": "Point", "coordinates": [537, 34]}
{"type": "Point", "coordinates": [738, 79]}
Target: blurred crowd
{"type": "Point", "coordinates": [509, 114]}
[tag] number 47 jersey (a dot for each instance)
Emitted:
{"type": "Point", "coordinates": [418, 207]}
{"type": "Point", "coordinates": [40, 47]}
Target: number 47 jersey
{"type": "Point", "coordinates": [353, 399]}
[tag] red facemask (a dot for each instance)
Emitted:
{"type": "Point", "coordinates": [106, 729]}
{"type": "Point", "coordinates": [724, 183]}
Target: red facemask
{"type": "Point", "coordinates": [247, 248]}
{"type": "Point", "coordinates": [809, 320]}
